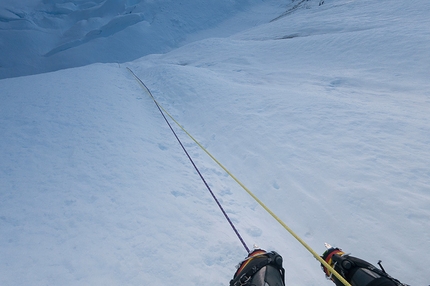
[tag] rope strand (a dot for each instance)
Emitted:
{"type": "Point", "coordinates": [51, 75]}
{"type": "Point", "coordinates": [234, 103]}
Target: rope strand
{"type": "Point", "coordinates": [195, 167]}
{"type": "Point", "coordinates": [304, 244]}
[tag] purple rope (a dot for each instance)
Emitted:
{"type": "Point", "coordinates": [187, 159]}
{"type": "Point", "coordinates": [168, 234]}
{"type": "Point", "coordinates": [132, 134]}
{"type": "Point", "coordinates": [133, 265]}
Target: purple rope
{"type": "Point", "coordinates": [195, 167]}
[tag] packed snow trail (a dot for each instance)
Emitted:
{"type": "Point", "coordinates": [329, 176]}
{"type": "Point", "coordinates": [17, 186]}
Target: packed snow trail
{"type": "Point", "coordinates": [298, 238]}
{"type": "Point", "coordinates": [162, 111]}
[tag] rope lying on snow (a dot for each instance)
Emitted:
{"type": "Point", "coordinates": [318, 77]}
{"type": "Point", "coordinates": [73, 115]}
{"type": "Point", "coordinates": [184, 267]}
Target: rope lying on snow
{"type": "Point", "coordinates": [319, 258]}
{"type": "Point", "coordinates": [192, 162]}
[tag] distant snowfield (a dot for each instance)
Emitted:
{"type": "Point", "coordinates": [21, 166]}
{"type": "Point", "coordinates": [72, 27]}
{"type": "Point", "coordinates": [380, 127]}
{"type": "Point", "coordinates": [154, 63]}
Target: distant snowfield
{"type": "Point", "coordinates": [42, 36]}
{"type": "Point", "coordinates": [323, 113]}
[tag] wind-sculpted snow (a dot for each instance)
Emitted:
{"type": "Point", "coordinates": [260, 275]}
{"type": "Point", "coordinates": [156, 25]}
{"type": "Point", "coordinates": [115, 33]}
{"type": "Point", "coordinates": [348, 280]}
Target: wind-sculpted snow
{"type": "Point", "coordinates": [49, 35]}
{"type": "Point", "coordinates": [115, 25]}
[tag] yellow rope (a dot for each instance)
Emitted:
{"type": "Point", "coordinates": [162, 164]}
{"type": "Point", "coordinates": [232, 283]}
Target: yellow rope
{"type": "Point", "coordinates": [319, 258]}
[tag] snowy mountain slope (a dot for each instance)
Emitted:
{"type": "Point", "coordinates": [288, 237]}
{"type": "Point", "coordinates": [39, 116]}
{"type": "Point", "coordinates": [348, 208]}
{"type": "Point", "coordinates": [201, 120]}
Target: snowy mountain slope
{"type": "Point", "coordinates": [323, 113]}
{"type": "Point", "coordinates": [42, 36]}
{"type": "Point", "coordinates": [80, 204]}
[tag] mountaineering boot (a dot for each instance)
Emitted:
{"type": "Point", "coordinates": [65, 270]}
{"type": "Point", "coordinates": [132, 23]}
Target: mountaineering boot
{"type": "Point", "coordinates": [260, 268]}
{"type": "Point", "coordinates": [355, 270]}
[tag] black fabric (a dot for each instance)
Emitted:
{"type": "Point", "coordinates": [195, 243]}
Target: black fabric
{"type": "Point", "coordinates": [366, 277]}
{"type": "Point", "coordinates": [269, 275]}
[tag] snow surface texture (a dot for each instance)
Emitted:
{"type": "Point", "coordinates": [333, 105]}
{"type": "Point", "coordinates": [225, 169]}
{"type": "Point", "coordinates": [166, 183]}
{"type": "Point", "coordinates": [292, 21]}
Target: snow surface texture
{"type": "Point", "coordinates": [323, 113]}
{"type": "Point", "coordinates": [40, 36]}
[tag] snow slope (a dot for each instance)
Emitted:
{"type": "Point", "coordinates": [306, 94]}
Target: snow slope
{"type": "Point", "coordinates": [323, 113]}
{"type": "Point", "coordinates": [40, 36]}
